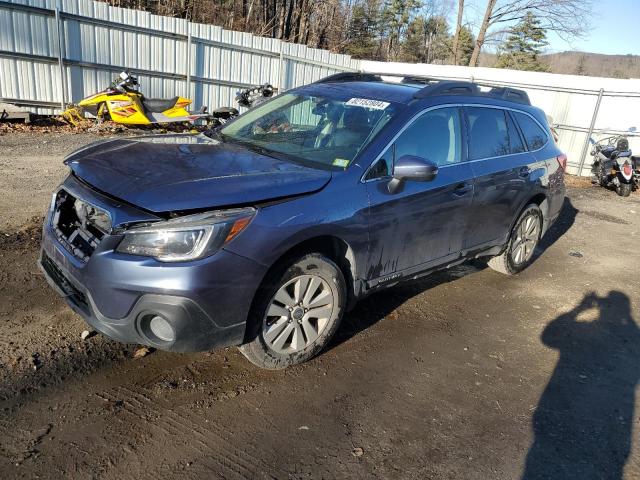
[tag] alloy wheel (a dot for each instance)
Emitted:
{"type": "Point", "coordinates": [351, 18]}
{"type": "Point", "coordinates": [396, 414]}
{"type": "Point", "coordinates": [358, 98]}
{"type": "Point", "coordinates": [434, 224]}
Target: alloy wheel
{"type": "Point", "coordinates": [298, 314]}
{"type": "Point", "coordinates": [527, 236]}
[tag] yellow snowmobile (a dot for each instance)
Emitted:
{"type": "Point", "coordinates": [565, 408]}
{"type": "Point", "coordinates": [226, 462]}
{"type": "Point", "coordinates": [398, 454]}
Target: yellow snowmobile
{"type": "Point", "coordinates": [121, 102]}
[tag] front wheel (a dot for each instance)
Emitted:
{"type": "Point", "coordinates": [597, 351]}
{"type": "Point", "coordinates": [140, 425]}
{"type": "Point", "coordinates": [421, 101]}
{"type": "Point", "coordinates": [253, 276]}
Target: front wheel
{"type": "Point", "coordinates": [522, 243]}
{"type": "Point", "coordinates": [623, 189]}
{"type": "Point", "coordinates": [296, 313]}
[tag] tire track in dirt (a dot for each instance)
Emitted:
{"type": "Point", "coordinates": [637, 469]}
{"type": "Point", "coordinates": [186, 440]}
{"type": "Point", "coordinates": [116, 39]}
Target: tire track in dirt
{"type": "Point", "coordinates": [219, 453]}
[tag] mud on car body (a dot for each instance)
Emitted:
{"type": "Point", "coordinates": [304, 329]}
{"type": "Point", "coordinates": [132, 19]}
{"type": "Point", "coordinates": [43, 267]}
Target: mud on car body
{"type": "Point", "coordinates": [264, 233]}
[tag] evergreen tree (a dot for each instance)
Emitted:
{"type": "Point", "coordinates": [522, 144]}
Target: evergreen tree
{"type": "Point", "coordinates": [466, 43]}
{"type": "Point", "coordinates": [414, 47]}
{"type": "Point", "coordinates": [580, 69]}
{"type": "Point", "coordinates": [396, 16]}
{"type": "Point", "coordinates": [427, 40]}
{"type": "Point", "coordinates": [363, 30]}
{"type": "Point", "coordinates": [523, 46]}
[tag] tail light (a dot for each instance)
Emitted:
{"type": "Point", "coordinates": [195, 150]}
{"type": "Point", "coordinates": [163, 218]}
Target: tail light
{"type": "Point", "coordinates": [626, 169]}
{"type": "Point", "coordinates": [562, 161]}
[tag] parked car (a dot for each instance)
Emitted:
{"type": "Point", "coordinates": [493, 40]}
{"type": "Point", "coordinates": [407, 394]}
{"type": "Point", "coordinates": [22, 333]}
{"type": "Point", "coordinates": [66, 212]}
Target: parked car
{"type": "Point", "coordinates": [264, 235]}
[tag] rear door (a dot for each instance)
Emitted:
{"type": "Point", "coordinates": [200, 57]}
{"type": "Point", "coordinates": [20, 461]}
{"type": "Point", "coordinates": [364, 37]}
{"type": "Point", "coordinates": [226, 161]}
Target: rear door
{"type": "Point", "coordinates": [423, 223]}
{"type": "Point", "coordinates": [502, 168]}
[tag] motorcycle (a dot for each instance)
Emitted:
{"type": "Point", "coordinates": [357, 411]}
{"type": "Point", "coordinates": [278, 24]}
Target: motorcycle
{"type": "Point", "coordinates": [248, 97]}
{"type": "Point", "coordinates": [613, 164]}
{"type": "Point", "coordinates": [122, 102]}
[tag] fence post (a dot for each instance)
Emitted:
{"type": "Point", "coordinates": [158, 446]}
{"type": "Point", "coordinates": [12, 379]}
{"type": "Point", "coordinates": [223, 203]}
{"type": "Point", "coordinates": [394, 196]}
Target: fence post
{"type": "Point", "coordinates": [188, 66]}
{"type": "Point", "coordinates": [585, 148]}
{"type": "Point", "coordinates": [281, 68]}
{"type": "Point", "coordinates": [63, 76]}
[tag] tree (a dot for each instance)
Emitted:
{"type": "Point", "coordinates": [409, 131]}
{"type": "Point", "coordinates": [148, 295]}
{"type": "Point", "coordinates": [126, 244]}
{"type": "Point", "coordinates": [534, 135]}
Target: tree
{"type": "Point", "coordinates": [466, 42]}
{"type": "Point", "coordinates": [580, 69]}
{"type": "Point", "coordinates": [396, 16]}
{"type": "Point", "coordinates": [363, 29]}
{"type": "Point", "coordinates": [456, 36]}
{"type": "Point", "coordinates": [523, 46]}
{"type": "Point", "coordinates": [427, 40]}
{"type": "Point", "coordinates": [567, 18]}
{"type": "Point", "coordinates": [414, 47]}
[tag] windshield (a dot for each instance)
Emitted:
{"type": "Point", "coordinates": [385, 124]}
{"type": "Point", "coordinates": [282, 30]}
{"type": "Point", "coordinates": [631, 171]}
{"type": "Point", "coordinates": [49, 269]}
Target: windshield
{"type": "Point", "coordinates": [311, 128]}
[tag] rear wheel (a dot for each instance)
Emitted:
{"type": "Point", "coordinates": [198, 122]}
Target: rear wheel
{"type": "Point", "coordinates": [522, 243]}
{"type": "Point", "coordinates": [296, 313]}
{"type": "Point", "coordinates": [623, 189]}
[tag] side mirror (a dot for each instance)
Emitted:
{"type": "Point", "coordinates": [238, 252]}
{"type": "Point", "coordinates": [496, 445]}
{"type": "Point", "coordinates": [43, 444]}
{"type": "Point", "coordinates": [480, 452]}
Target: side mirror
{"type": "Point", "coordinates": [592, 141]}
{"type": "Point", "coordinates": [411, 167]}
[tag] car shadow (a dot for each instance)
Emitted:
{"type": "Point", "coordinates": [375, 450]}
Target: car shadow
{"type": "Point", "coordinates": [563, 223]}
{"type": "Point", "coordinates": [583, 423]}
{"type": "Point", "coordinates": [379, 305]}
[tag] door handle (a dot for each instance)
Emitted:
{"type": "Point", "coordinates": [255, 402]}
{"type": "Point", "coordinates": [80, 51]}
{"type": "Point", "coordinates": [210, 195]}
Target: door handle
{"type": "Point", "coordinates": [462, 189]}
{"type": "Point", "coordinates": [524, 172]}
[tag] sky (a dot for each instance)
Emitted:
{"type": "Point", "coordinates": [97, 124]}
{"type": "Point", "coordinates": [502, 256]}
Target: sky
{"type": "Point", "coordinates": [615, 30]}
{"type": "Point", "coordinates": [615, 27]}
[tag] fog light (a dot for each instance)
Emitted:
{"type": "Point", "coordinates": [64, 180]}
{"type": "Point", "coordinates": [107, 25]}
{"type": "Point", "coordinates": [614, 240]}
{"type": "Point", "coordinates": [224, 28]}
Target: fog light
{"type": "Point", "coordinates": [162, 329]}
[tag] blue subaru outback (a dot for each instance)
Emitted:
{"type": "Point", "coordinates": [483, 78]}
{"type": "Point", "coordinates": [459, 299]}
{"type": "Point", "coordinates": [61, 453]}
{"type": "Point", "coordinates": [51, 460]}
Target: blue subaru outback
{"type": "Point", "coordinates": [264, 233]}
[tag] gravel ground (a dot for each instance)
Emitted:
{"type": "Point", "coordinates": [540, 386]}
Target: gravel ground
{"type": "Point", "coordinates": [464, 374]}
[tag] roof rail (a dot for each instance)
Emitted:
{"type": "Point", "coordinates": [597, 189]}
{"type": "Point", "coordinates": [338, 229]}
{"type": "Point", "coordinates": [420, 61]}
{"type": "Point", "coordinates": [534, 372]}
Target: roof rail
{"type": "Point", "coordinates": [510, 94]}
{"type": "Point", "coordinates": [436, 86]}
{"type": "Point", "coordinates": [448, 87]}
{"type": "Point", "coordinates": [351, 77]}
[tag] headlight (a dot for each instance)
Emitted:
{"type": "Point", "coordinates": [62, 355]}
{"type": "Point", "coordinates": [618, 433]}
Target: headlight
{"type": "Point", "coordinates": [186, 238]}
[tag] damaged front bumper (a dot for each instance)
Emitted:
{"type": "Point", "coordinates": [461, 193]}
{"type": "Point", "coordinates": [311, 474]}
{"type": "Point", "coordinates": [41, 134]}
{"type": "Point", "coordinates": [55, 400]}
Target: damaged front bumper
{"type": "Point", "coordinates": [204, 304]}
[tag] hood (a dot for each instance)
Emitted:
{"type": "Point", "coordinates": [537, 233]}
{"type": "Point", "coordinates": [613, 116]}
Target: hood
{"type": "Point", "coordinates": [187, 172]}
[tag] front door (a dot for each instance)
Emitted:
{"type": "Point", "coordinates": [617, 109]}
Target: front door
{"type": "Point", "coordinates": [423, 223]}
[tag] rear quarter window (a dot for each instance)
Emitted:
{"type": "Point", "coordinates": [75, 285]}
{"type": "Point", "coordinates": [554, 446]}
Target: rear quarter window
{"type": "Point", "coordinates": [535, 136]}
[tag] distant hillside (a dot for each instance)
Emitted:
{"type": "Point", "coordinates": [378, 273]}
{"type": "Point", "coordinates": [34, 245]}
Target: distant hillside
{"type": "Point", "coordinates": [585, 63]}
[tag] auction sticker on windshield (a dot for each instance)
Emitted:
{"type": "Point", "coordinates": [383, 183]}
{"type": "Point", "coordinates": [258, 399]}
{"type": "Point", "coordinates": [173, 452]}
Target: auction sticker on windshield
{"type": "Point", "coordinates": [368, 103]}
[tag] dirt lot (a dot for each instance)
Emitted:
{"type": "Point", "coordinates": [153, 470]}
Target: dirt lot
{"type": "Point", "coordinates": [466, 374]}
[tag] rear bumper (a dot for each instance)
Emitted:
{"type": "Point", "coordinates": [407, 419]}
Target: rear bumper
{"type": "Point", "coordinates": [205, 302]}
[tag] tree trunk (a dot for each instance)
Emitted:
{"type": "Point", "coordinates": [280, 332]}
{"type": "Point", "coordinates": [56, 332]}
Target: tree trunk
{"type": "Point", "coordinates": [288, 23]}
{"type": "Point", "coordinates": [281, 17]}
{"type": "Point", "coordinates": [475, 56]}
{"type": "Point", "coordinates": [456, 38]}
{"type": "Point", "coordinates": [303, 28]}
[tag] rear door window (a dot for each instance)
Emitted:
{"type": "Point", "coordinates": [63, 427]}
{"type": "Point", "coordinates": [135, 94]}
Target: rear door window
{"type": "Point", "coordinates": [491, 134]}
{"type": "Point", "coordinates": [515, 140]}
{"type": "Point", "coordinates": [534, 135]}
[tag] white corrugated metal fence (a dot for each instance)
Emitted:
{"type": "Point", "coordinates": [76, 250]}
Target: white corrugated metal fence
{"type": "Point", "coordinates": [170, 56]}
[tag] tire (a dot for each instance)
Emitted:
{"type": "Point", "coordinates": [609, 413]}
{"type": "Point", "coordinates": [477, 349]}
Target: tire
{"type": "Point", "coordinates": [281, 330]}
{"type": "Point", "coordinates": [519, 254]}
{"type": "Point", "coordinates": [623, 189]}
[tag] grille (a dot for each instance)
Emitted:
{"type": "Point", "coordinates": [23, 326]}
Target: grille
{"type": "Point", "coordinates": [78, 225]}
{"type": "Point", "coordinates": [75, 295]}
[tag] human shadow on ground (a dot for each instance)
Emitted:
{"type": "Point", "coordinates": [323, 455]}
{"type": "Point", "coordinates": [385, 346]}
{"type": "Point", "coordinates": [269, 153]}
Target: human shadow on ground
{"type": "Point", "coordinates": [583, 423]}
